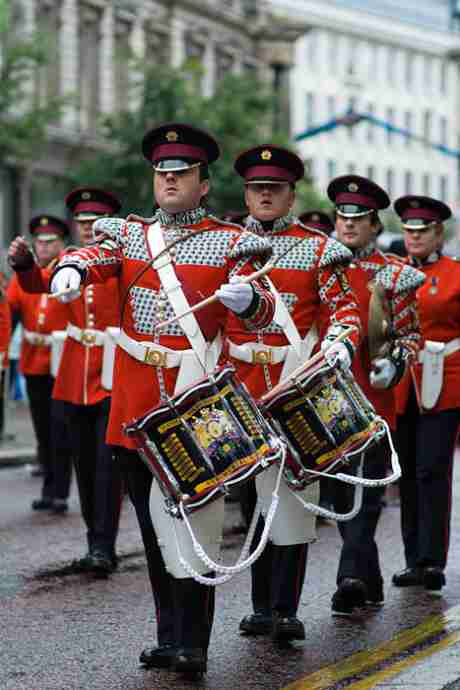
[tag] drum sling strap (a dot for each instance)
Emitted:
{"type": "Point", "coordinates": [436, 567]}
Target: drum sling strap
{"type": "Point", "coordinates": [301, 349]}
{"type": "Point", "coordinates": [192, 368]}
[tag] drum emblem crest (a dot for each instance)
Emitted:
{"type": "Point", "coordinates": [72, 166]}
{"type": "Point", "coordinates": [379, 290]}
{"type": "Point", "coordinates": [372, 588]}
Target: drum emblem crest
{"type": "Point", "coordinates": [213, 427]}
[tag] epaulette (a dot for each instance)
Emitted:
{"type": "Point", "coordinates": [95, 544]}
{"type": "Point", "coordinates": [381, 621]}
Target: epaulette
{"type": "Point", "coordinates": [226, 223]}
{"type": "Point", "coordinates": [334, 253]}
{"type": "Point", "coordinates": [249, 244]}
{"type": "Point", "coordinates": [112, 227]}
{"type": "Point", "coordinates": [399, 277]}
{"type": "Point", "coordinates": [316, 231]}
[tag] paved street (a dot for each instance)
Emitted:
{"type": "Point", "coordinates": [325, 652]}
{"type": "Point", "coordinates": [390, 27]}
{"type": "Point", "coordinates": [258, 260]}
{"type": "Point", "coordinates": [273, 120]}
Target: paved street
{"type": "Point", "coordinates": [69, 632]}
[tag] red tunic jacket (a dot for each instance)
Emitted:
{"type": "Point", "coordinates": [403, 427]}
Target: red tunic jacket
{"type": "Point", "coordinates": [202, 263]}
{"type": "Point", "coordinates": [311, 275]}
{"type": "Point", "coordinates": [79, 377]}
{"type": "Point", "coordinates": [39, 315]}
{"type": "Point", "coordinates": [399, 283]}
{"type": "Point", "coordinates": [438, 302]}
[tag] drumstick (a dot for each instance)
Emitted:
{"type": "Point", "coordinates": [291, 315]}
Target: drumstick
{"type": "Point", "coordinates": [271, 263]}
{"type": "Point", "coordinates": [316, 358]}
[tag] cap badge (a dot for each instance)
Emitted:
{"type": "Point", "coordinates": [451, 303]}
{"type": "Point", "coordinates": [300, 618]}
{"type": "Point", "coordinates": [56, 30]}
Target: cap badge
{"type": "Point", "coordinates": [353, 187]}
{"type": "Point", "coordinates": [86, 195]}
{"type": "Point", "coordinates": [43, 221]}
{"type": "Point", "coordinates": [266, 155]}
{"type": "Point", "coordinates": [415, 204]}
{"type": "Point", "coordinates": [315, 218]}
{"type": "Point", "coordinates": [172, 136]}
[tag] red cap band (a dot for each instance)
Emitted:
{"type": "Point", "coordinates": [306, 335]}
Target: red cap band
{"type": "Point", "coordinates": [92, 207]}
{"type": "Point", "coordinates": [261, 171]}
{"type": "Point", "coordinates": [179, 151]}
{"type": "Point", "coordinates": [359, 199]}
{"type": "Point", "coordinates": [429, 214]}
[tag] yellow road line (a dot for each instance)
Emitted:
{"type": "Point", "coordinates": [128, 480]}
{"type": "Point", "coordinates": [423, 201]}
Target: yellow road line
{"type": "Point", "coordinates": [448, 622]}
{"type": "Point", "coordinates": [399, 666]}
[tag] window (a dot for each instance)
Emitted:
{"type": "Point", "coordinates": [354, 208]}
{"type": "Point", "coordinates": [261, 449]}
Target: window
{"type": "Point", "coordinates": [390, 182]}
{"type": "Point", "coordinates": [89, 72]}
{"type": "Point", "coordinates": [122, 63]}
{"type": "Point", "coordinates": [48, 77]}
{"type": "Point", "coordinates": [331, 106]}
{"type": "Point", "coordinates": [370, 172]}
{"type": "Point", "coordinates": [427, 125]}
{"type": "Point", "coordinates": [224, 63]}
{"type": "Point", "coordinates": [371, 125]}
{"type": "Point", "coordinates": [390, 63]}
{"type": "Point", "coordinates": [310, 106]}
{"type": "Point", "coordinates": [409, 69]}
{"type": "Point", "coordinates": [390, 116]}
{"type": "Point", "coordinates": [351, 168]}
{"type": "Point", "coordinates": [408, 182]}
{"type": "Point", "coordinates": [333, 40]}
{"type": "Point", "coordinates": [443, 130]}
{"type": "Point", "coordinates": [331, 169]}
{"type": "Point", "coordinates": [428, 71]}
{"type": "Point", "coordinates": [352, 107]}
{"type": "Point", "coordinates": [408, 125]}
{"type": "Point", "coordinates": [311, 48]}
{"type": "Point", "coordinates": [443, 76]}
{"type": "Point", "coordinates": [426, 184]}
{"type": "Point", "coordinates": [443, 188]}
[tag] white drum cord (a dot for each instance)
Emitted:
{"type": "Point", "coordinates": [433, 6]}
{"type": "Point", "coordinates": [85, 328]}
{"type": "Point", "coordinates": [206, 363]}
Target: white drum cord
{"type": "Point", "coordinates": [243, 562]}
{"type": "Point", "coordinates": [330, 514]}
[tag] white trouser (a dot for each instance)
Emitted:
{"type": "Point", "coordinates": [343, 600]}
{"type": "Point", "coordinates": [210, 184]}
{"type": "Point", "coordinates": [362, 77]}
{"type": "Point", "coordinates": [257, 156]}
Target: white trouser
{"type": "Point", "coordinates": [207, 524]}
{"type": "Point", "coordinates": [292, 524]}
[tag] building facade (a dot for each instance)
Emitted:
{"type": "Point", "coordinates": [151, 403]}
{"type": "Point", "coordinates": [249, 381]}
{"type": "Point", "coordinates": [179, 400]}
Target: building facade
{"type": "Point", "coordinates": [88, 44]}
{"type": "Point", "coordinates": [398, 64]}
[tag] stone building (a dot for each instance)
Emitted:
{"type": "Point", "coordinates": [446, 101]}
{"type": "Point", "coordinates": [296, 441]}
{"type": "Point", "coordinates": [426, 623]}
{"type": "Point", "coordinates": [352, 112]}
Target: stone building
{"type": "Point", "coordinates": [87, 43]}
{"type": "Point", "coordinates": [396, 61]}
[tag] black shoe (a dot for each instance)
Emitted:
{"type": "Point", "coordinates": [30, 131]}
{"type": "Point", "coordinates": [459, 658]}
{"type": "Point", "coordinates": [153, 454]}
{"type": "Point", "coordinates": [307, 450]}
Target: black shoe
{"type": "Point", "coordinates": [433, 578]}
{"type": "Point", "coordinates": [101, 564]}
{"type": "Point", "coordinates": [59, 506]}
{"type": "Point", "coordinates": [287, 628]}
{"type": "Point", "coordinates": [162, 656]}
{"type": "Point", "coordinates": [42, 504]}
{"type": "Point", "coordinates": [190, 660]}
{"type": "Point", "coordinates": [375, 596]}
{"type": "Point", "coordinates": [257, 624]}
{"type": "Point", "coordinates": [409, 577]}
{"type": "Point", "coordinates": [81, 565]}
{"type": "Point", "coordinates": [350, 594]}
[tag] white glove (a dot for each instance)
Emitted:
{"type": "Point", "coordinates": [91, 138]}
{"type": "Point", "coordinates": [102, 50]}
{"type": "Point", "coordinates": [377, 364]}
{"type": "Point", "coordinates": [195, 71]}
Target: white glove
{"type": "Point", "coordinates": [69, 279]}
{"type": "Point", "coordinates": [236, 296]}
{"type": "Point", "coordinates": [336, 355]}
{"type": "Point", "coordinates": [383, 373]}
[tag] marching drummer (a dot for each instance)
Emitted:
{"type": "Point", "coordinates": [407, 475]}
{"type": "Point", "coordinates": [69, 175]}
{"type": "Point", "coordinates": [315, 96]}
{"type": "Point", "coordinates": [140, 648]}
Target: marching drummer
{"type": "Point", "coordinates": [357, 203]}
{"type": "Point", "coordinates": [428, 399]}
{"type": "Point", "coordinates": [311, 275]}
{"type": "Point", "coordinates": [149, 365]}
{"type": "Point", "coordinates": [78, 382]}
{"type": "Point", "coordinates": [40, 316]}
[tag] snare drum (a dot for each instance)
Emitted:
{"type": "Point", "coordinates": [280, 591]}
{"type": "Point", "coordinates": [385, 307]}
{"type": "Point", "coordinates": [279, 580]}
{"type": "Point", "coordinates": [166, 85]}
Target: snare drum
{"type": "Point", "coordinates": [325, 419]}
{"type": "Point", "coordinates": [205, 439]}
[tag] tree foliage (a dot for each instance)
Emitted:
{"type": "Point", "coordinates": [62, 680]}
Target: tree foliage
{"type": "Point", "coordinates": [239, 115]}
{"type": "Point", "coordinates": [22, 121]}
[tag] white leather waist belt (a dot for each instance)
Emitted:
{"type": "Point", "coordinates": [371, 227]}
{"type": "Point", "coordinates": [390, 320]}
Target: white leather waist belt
{"type": "Point", "coordinates": [37, 338]}
{"type": "Point", "coordinates": [153, 354]}
{"type": "Point", "coordinates": [86, 336]}
{"type": "Point", "coordinates": [448, 349]}
{"type": "Point", "coordinates": [258, 353]}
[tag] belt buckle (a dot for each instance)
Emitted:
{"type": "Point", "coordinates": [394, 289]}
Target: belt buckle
{"type": "Point", "coordinates": [39, 340]}
{"type": "Point", "coordinates": [261, 357]}
{"type": "Point", "coordinates": [155, 358]}
{"type": "Point", "coordinates": [88, 338]}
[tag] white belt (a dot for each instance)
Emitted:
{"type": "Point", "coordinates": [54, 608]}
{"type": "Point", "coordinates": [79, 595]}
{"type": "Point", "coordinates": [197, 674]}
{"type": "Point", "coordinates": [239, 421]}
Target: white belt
{"type": "Point", "coordinates": [37, 338]}
{"type": "Point", "coordinates": [156, 355]}
{"type": "Point", "coordinates": [258, 353]}
{"type": "Point", "coordinates": [449, 349]}
{"type": "Point", "coordinates": [86, 336]}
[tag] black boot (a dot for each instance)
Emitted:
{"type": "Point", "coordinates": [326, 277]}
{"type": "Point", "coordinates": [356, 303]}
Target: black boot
{"type": "Point", "coordinates": [261, 621]}
{"type": "Point", "coordinates": [194, 615]}
{"type": "Point", "coordinates": [288, 575]}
